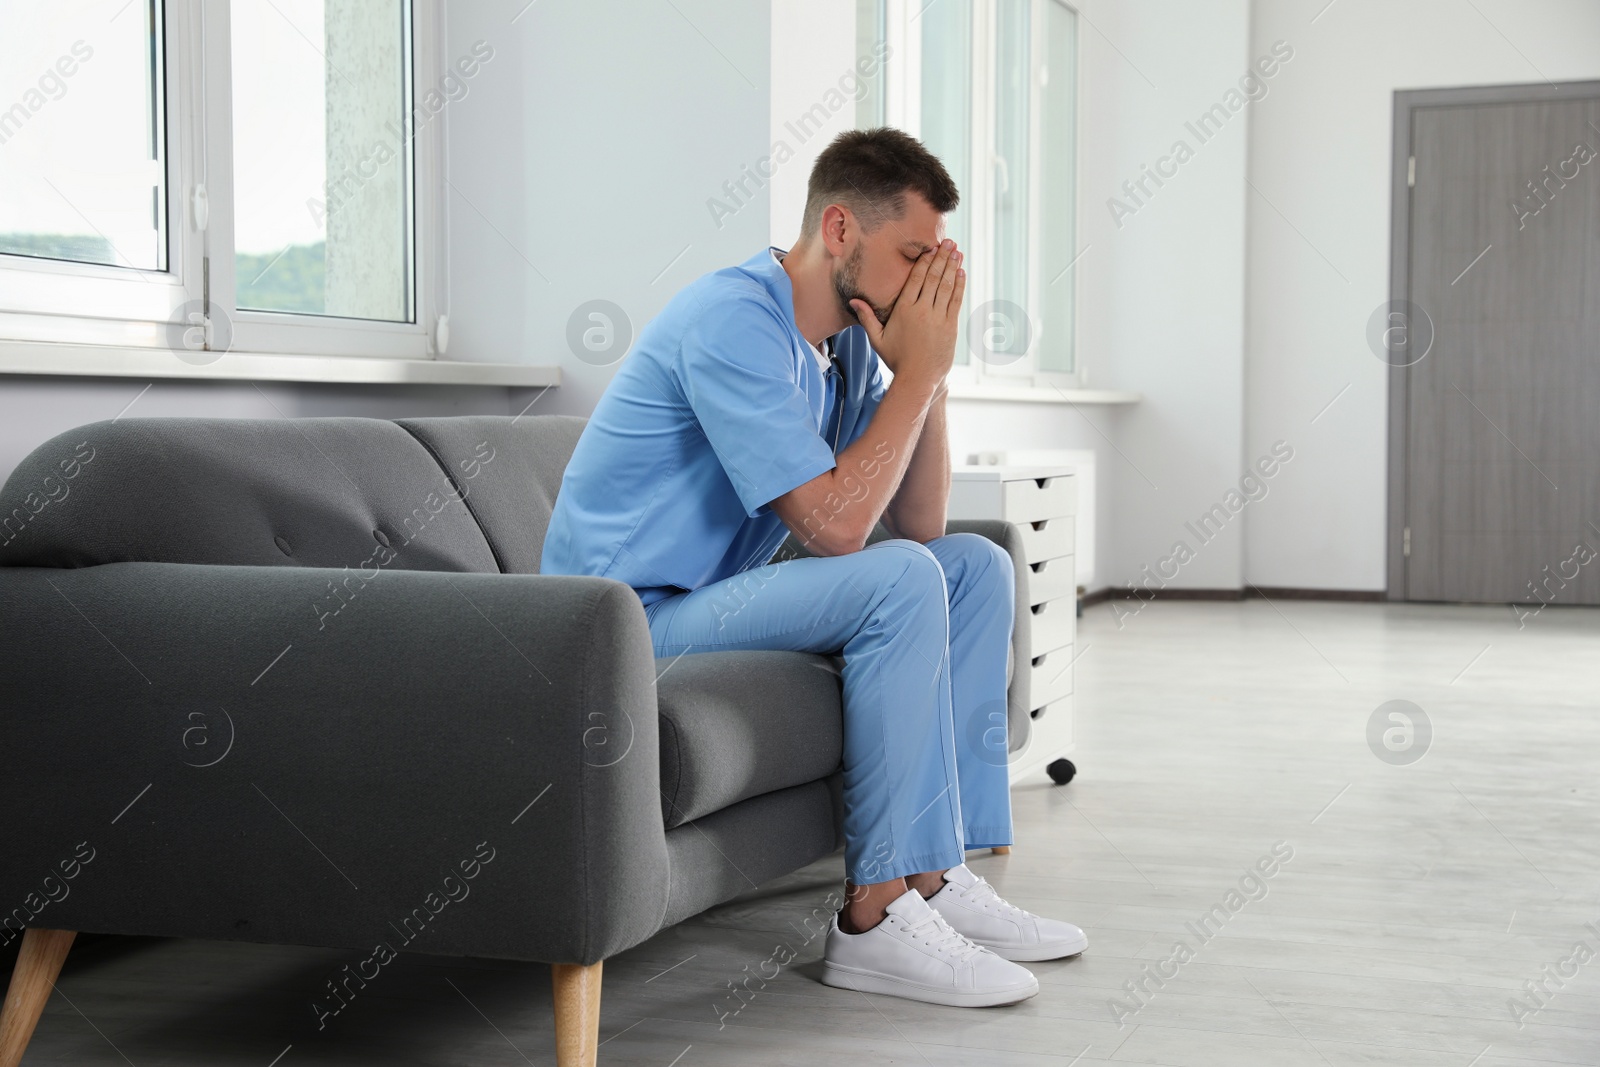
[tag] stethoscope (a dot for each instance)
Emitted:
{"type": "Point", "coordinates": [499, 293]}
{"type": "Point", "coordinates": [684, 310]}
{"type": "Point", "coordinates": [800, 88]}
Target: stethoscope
{"type": "Point", "coordinates": [838, 365]}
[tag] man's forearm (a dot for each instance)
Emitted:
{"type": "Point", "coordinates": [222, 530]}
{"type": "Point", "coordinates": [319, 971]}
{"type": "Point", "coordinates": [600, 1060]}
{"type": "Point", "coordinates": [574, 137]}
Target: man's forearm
{"type": "Point", "coordinates": [857, 493]}
{"type": "Point", "coordinates": [920, 506]}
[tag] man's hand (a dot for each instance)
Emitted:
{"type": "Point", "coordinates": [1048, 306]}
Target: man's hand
{"type": "Point", "coordinates": [920, 340]}
{"type": "Point", "coordinates": [918, 345]}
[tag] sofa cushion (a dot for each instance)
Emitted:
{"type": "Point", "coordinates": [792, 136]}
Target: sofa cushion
{"type": "Point", "coordinates": [735, 725]}
{"type": "Point", "coordinates": [305, 492]}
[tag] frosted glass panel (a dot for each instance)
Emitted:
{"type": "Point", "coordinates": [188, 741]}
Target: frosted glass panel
{"type": "Point", "coordinates": [1058, 192]}
{"type": "Point", "coordinates": [1011, 155]}
{"type": "Point", "coordinates": [946, 27]}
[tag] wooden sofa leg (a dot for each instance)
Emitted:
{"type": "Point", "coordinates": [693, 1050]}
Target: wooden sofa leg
{"type": "Point", "coordinates": [577, 994]}
{"type": "Point", "coordinates": [38, 963]}
{"type": "Point", "coordinates": [1001, 850]}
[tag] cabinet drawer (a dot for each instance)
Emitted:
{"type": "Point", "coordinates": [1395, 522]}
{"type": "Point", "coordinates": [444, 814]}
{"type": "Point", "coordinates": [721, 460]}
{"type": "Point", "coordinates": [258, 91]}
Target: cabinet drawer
{"type": "Point", "coordinates": [1051, 579]}
{"type": "Point", "coordinates": [1051, 678]}
{"type": "Point", "coordinates": [1054, 624]}
{"type": "Point", "coordinates": [1047, 538]}
{"type": "Point", "coordinates": [1033, 499]}
{"type": "Point", "coordinates": [1052, 723]}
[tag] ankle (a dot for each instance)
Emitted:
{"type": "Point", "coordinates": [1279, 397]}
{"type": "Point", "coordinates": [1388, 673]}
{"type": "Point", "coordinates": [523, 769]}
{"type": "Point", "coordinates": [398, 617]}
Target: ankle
{"type": "Point", "coordinates": [927, 884]}
{"type": "Point", "coordinates": [858, 921]}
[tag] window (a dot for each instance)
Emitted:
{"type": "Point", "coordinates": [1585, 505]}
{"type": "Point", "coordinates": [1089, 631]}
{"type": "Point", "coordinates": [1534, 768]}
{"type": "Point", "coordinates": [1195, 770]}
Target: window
{"type": "Point", "coordinates": [990, 86]}
{"type": "Point", "coordinates": [946, 107]}
{"type": "Point", "coordinates": [870, 32]}
{"type": "Point", "coordinates": [214, 175]}
{"type": "Point", "coordinates": [1058, 139]}
{"type": "Point", "coordinates": [83, 166]}
{"type": "Point", "coordinates": [303, 243]}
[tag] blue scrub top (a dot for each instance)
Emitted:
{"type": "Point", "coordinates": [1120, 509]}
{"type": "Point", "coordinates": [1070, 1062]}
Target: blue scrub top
{"type": "Point", "coordinates": [717, 411]}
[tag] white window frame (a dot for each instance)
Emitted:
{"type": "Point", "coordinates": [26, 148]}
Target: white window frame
{"type": "Point", "coordinates": [44, 300]}
{"type": "Point", "coordinates": [903, 88]}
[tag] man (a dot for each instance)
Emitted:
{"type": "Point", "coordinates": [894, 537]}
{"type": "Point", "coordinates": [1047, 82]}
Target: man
{"type": "Point", "coordinates": [755, 405]}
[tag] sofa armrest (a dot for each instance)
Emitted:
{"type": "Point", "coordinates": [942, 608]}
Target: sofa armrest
{"type": "Point", "coordinates": [442, 762]}
{"type": "Point", "coordinates": [1019, 720]}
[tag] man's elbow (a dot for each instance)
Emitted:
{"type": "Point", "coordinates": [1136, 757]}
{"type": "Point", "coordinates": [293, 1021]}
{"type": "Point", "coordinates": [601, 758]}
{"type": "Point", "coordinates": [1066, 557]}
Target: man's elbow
{"type": "Point", "coordinates": [920, 532]}
{"type": "Point", "coordinates": [922, 535]}
{"type": "Point", "coordinates": [928, 530]}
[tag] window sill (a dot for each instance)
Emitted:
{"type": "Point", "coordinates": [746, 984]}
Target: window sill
{"type": "Point", "coordinates": [1041, 394]}
{"type": "Point", "coordinates": [105, 361]}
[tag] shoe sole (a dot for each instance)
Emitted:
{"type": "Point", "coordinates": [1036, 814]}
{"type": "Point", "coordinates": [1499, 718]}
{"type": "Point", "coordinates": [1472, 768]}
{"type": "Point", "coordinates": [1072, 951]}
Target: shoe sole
{"type": "Point", "coordinates": [872, 982]}
{"type": "Point", "coordinates": [1050, 950]}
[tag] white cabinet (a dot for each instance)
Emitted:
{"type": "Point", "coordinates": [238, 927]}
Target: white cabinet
{"type": "Point", "coordinates": [1041, 502]}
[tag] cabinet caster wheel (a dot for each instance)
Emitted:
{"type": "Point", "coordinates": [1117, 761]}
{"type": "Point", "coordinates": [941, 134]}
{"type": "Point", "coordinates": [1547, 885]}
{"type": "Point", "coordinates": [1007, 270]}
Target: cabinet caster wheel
{"type": "Point", "coordinates": [1061, 771]}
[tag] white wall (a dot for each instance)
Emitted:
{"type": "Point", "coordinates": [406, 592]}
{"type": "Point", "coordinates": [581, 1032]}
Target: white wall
{"type": "Point", "coordinates": [813, 48]}
{"type": "Point", "coordinates": [1162, 297]}
{"type": "Point", "coordinates": [1320, 154]}
{"type": "Point", "coordinates": [583, 162]}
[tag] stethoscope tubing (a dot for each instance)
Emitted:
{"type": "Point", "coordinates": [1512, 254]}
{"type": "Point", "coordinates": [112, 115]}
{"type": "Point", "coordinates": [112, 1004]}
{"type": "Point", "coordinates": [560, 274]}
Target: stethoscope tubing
{"type": "Point", "coordinates": [840, 395]}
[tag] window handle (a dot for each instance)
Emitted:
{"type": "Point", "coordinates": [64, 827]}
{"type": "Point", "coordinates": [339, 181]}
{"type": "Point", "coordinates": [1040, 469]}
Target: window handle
{"type": "Point", "coordinates": [1003, 170]}
{"type": "Point", "coordinates": [200, 204]}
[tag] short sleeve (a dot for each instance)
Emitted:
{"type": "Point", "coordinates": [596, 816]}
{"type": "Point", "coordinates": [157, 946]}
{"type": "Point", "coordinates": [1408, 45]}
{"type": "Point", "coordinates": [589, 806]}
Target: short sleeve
{"type": "Point", "coordinates": [737, 371]}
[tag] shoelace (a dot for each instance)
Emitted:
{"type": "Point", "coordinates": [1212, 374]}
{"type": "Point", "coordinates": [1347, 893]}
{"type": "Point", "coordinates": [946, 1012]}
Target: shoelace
{"type": "Point", "coordinates": [943, 938]}
{"type": "Point", "coordinates": [986, 896]}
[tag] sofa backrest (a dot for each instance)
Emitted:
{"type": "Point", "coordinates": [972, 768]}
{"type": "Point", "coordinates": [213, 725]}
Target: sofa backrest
{"type": "Point", "coordinates": [466, 493]}
{"type": "Point", "coordinates": [512, 494]}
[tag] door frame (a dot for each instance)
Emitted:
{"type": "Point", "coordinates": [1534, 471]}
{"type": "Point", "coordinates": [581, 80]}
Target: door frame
{"type": "Point", "coordinates": [1406, 102]}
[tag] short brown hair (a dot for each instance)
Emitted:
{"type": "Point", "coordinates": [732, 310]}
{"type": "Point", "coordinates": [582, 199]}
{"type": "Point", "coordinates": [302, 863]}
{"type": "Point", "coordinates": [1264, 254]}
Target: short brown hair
{"type": "Point", "coordinates": [870, 172]}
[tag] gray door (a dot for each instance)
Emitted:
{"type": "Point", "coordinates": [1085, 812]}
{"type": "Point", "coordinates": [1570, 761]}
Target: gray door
{"type": "Point", "coordinates": [1502, 434]}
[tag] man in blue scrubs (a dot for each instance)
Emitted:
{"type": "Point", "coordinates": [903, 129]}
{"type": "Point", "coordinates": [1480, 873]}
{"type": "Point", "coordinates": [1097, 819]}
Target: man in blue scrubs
{"type": "Point", "coordinates": [755, 405]}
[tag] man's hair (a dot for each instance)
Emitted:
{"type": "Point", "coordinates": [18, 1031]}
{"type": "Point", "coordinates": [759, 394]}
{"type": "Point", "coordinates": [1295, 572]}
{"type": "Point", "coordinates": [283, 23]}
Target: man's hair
{"type": "Point", "coordinates": [870, 172]}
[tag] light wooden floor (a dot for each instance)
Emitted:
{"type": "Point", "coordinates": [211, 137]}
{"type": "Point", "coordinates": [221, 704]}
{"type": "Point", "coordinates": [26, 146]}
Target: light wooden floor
{"type": "Point", "coordinates": [1418, 900]}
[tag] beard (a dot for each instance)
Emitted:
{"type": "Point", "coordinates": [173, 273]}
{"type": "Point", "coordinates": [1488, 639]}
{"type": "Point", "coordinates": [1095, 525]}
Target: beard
{"type": "Point", "coordinates": [845, 285]}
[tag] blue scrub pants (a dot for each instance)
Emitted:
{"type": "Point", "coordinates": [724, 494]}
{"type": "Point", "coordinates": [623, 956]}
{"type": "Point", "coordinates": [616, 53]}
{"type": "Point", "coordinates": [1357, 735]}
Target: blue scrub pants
{"type": "Point", "coordinates": [924, 632]}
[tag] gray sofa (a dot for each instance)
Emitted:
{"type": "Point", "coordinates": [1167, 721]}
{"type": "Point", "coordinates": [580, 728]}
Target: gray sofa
{"type": "Point", "coordinates": [298, 681]}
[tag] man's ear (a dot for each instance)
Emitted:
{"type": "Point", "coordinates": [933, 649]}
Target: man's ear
{"type": "Point", "coordinates": [837, 224]}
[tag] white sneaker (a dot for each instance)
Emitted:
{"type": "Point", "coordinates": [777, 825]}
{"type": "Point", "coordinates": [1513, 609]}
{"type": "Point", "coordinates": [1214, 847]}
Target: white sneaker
{"type": "Point", "coordinates": [913, 953]}
{"type": "Point", "coordinates": [971, 906]}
